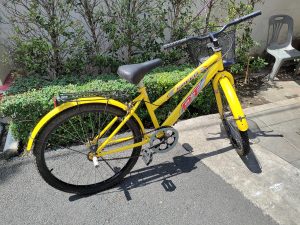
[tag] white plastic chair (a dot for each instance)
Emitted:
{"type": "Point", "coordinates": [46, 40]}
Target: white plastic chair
{"type": "Point", "coordinates": [282, 50]}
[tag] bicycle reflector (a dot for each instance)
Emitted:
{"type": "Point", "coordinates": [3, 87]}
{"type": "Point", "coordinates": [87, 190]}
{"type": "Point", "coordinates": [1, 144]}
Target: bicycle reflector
{"type": "Point", "coordinates": [55, 102]}
{"type": "Point", "coordinates": [62, 98]}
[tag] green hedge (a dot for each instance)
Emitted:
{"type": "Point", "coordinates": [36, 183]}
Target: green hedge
{"type": "Point", "coordinates": [31, 98]}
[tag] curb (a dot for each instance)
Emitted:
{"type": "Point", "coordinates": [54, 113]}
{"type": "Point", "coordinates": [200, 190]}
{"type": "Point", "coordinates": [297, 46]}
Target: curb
{"type": "Point", "coordinates": [1, 135]}
{"type": "Point", "coordinates": [11, 146]}
{"type": "Point", "coordinates": [1, 131]}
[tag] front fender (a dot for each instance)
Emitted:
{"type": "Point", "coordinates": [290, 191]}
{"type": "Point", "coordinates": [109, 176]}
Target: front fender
{"type": "Point", "coordinates": [226, 81]}
{"type": "Point", "coordinates": [67, 105]}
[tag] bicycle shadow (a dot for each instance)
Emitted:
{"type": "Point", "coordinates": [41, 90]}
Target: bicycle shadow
{"type": "Point", "coordinates": [254, 132]}
{"type": "Point", "coordinates": [162, 173]}
{"type": "Point", "coordinates": [251, 162]}
{"type": "Point", "coordinates": [181, 164]}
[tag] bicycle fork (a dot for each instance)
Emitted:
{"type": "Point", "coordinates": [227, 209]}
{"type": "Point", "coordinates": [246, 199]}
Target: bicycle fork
{"type": "Point", "coordinates": [226, 82]}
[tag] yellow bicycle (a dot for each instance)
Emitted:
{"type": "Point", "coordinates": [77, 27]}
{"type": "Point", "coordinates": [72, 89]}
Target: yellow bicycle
{"type": "Point", "coordinates": [88, 144]}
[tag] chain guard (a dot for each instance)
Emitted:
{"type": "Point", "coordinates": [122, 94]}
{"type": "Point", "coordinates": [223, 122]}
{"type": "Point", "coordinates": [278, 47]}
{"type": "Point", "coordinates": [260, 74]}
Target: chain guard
{"type": "Point", "coordinates": [164, 139]}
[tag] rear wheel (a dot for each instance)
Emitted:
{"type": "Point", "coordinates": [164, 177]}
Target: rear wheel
{"type": "Point", "coordinates": [239, 139]}
{"type": "Point", "coordinates": [63, 146]}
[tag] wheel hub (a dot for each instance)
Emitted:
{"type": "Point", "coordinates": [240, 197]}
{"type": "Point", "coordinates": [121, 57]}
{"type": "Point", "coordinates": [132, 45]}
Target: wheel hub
{"type": "Point", "coordinates": [90, 156]}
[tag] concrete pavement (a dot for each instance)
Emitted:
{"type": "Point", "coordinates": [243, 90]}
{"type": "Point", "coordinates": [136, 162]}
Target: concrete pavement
{"type": "Point", "coordinates": [270, 176]}
{"type": "Point", "coordinates": [211, 185]}
{"type": "Point", "coordinates": [280, 90]}
{"type": "Point", "coordinates": [176, 189]}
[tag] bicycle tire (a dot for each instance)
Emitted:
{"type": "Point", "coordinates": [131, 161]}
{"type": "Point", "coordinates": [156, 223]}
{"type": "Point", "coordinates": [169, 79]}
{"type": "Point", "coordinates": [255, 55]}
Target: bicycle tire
{"type": "Point", "coordinates": [238, 139]}
{"type": "Point", "coordinates": [46, 159]}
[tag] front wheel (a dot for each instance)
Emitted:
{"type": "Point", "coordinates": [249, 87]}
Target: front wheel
{"type": "Point", "coordinates": [63, 146]}
{"type": "Point", "coordinates": [239, 139]}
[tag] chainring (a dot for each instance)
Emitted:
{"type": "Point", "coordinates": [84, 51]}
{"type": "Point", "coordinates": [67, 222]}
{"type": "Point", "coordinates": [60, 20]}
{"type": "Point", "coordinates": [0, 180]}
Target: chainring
{"type": "Point", "coordinates": [164, 139]}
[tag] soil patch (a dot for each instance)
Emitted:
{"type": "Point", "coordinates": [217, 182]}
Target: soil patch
{"type": "Point", "coordinates": [249, 93]}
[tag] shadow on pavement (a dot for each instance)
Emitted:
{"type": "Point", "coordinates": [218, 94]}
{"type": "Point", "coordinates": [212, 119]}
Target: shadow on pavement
{"type": "Point", "coordinates": [162, 173]}
{"type": "Point", "coordinates": [10, 168]}
{"type": "Point", "coordinates": [254, 132]}
{"type": "Point", "coordinates": [165, 171]}
{"type": "Point", "coordinates": [252, 162]}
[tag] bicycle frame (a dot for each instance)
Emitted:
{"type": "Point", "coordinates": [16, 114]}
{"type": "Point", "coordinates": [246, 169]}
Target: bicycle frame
{"type": "Point", "coordinates": [211, 69]}
{"type": "Point", "coordinates": [205, 72]}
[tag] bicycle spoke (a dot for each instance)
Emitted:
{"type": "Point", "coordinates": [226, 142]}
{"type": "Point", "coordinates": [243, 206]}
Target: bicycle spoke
{"type": "Point", "coordinates": [91, 123]}
{"type": "Point", "coordinates": [108, 164]}
{"type": "Point", "coordinates": [63, 147]}
{"type": "Point", "coordinates": [99, 127]}
{"type": "Point", "coordinates": [76, 131]}
{"type": "Point", "coordinates": [82, 128]}
{"type": "Point", "coordinates": [64, 138]}
{"type": "Point", "coordinates": [68, 132]}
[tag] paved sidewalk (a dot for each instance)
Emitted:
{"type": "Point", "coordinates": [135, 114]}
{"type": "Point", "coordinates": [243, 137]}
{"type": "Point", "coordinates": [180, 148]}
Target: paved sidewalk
{"type": "Point", "coordinates": [281, 90]}
{"type": "Point", "coordinates": [177, 188]}
{"type": "Point", "coordinates": [270, 175]}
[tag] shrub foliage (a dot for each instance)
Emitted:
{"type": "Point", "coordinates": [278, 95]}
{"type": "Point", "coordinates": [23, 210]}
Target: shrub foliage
{"type": "Point", "coordinates": [79, 37]}
{"type": "Point", "coordinates": [62, 45]}
{"type": "Point", "coordinates": [28, 105]}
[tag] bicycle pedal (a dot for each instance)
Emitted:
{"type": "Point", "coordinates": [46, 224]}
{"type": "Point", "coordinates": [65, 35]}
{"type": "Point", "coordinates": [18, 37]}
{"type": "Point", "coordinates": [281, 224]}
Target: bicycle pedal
{"type": "Point", "coordinates": [147, 156]}
{"type": "Point", "coordinates": [187, 147]}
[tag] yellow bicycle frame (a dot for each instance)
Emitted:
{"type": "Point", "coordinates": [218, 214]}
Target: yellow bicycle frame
{"type": "Point", "coordinates": [205, 73]}
{"type": "Point", "coordinates": [212, 68]}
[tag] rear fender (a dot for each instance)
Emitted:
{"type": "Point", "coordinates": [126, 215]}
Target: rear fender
{"type": "Point", "coordinates": [90, 100]}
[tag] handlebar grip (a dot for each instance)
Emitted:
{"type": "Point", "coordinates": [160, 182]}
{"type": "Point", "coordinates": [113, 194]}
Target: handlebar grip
{"type": "Point", "coordinates": [175, 43]}
{"type": "Point", "coordinates": [247, 17]}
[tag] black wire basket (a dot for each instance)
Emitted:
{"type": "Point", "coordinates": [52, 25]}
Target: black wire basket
{"type": "Point", "coordinates": [199, 50]}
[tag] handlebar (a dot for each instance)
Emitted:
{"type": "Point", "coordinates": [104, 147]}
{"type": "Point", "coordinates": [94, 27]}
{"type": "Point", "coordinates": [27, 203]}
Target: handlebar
{"type": "Point", "coordinates": [244, 18]}
{"type": "Point", "coordinates": [175, 43]}
{"type": "Point", "coordinates": [215, 34]}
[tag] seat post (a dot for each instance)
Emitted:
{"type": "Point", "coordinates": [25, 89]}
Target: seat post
{"type": "Point", "coordinates": [141, 84]}
{"type": "Point", "coordinates": [143, 92]}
